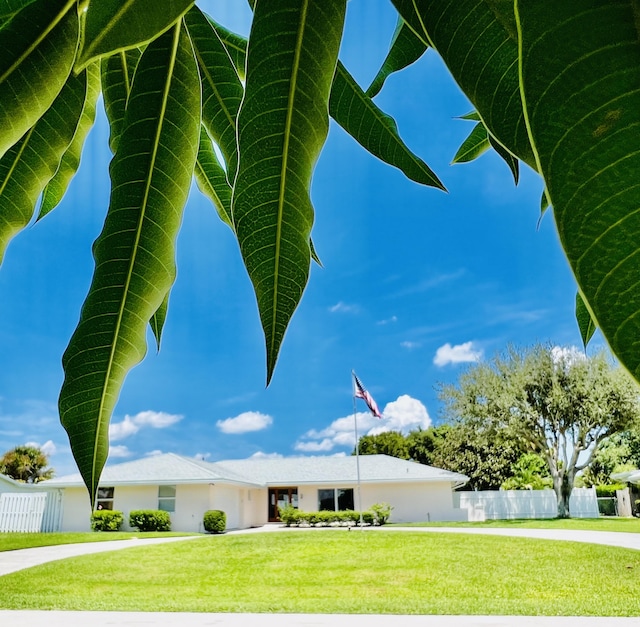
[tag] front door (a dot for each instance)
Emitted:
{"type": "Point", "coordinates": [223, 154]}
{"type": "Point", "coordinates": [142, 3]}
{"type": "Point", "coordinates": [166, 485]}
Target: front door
{"type": "Point", "coordinates": [281, 497]}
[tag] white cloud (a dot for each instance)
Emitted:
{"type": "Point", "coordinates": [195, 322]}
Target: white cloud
{"type": "Point", "coordinates": [460, 353]}
{"type": "Point", "coordinates": [343, 308]}
{"type": "Point", "coordinates": [388, 320]}
{"type": "Point", "coordinates": [261, 455]}
{"type": "Point", "coordinates": [568, 355]}
{"type": "Point", "coordinates": [48, 448]}
{"type": "Point", "coordinates": [154, 453]}
{"type": "Point", "coordinates": [132, 424]}
{"type": "Point", "coordinates": [314, 447]}
{"type": "Point", "coordinates": [245, 422]}
{"type": "Point", "coordinates": [403, 414]}
{"type": "Point", "coordinates": [410, 345]}
{"type": "Point", "coordinates": [119, 450]}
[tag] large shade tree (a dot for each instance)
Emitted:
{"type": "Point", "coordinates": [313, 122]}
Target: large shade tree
{"type": "Point", "coordinates": [558, 403]}
{"type": "Point", "coordinates": [28, 464]}
{"type": "Point", "coordinates": [554, 86]}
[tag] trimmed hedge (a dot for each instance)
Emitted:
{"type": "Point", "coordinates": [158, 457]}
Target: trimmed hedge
{"type": "Point", "coordinates": [215, 521]}
{"type": "Point", "coordinates": [292, 517]}
{"type": "Point", "coordinates": [106, 520]}
{"type": "Point", "coordinates": [150, 520]}
{"type": "Point", "coordinates": [609, 490]}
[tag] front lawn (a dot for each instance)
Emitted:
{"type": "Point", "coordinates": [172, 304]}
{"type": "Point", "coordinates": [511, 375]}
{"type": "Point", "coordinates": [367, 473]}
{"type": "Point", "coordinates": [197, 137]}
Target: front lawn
{"type": "Point", "coordinates": [588, 524]}
{"type": "Point", "coordinates": [13, 541]}
{"type": "Point", "coordinates": [339, 571]}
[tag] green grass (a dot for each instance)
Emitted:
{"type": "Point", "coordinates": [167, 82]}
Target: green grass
{"type": "Point", "coordinates": [588, 524]}
{"type": "Point", "coordinates": [13, 541]}
{"type": "Point", "coordinates": [335, 571]}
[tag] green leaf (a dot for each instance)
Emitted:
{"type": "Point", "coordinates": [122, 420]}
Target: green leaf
{"type": "Point", "coordinates": [222, 90]}
{"type": "Point", "coordinates": [406, 48]}
{"type": "Point", "coordinates": [585, 322]}
{"type": "Point", "coordinates": [135, 253]}
{"type": "Point", "coordinates": [235, 44]}
{"type": "Point", "coordinates": [582, 99]}
{"type": "Point", "coordinates": [507, 157]}
{"type": "Point", "coordinates": [212, 179]}
{"type": "Point", "coordinates": [158, 319]}
{"type": "Point", "coordinates": [472, 115]}
{"type": "Point", "coordinates": [314, 254]}
{"type": "Point", "coordinates": [282, 126]}
{"type": "Point", "coordinates": [117, 77]}
{"type": "Point", "coordinates": [350, 107]}
{"type": "Point", "coordinates": [38, 47]}
{"type": "Point", "coordinates": [476, 144]}
{"type": "Point", "coordinates": [113, 25]}
{"type": "Point", "coordinates": [477, 40]}
{"type": "Point", "coordinates": [8, 8]}
{"type": "Point", "coordinates": [27, 167]}
{"type": "Point", "coordinates": [57, 186]}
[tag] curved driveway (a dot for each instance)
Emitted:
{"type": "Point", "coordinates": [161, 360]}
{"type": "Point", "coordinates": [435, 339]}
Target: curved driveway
{"type": "Point", "coordinates": [12, 561]}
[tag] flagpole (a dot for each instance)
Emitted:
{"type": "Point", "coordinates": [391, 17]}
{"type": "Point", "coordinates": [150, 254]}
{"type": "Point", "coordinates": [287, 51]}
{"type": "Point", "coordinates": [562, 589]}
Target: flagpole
{"type": "Point", "coordinates": [355, 429]}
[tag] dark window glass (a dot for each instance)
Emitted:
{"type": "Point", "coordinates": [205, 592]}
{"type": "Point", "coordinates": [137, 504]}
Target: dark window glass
{"type": "Point", "coordinates": [345, 499]}
{"type": "Point", "coordinates": [326, 500]}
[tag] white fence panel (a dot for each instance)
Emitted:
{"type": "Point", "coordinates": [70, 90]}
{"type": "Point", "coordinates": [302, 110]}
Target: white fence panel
{"type": "Point", "coordinates": [22, 512]}
{"type": "Point", "coordinates": [509, 504]}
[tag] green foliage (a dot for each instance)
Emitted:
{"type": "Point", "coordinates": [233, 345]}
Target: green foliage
{"type": "Point", "coordinates": [603, 491]}
{"type": "Point", "coordinates": [106, 520]}
{"type": "Point", "coordinates": [377, 514]}
{"type": "Point", "coordinates": [270, 123]}
{"type": "Point", "coordinates": [530, 472]}
{"type": "Point", "coordinates": [215, 521]}
{"type": "Point", "coordinates": [381, 512]}
{"type": "Point", "coordinates": [150, 520]}
{"type": "Point", "coordinates": [555, 402]}
{"type": "Point", "coordinates": [391, 443]}
{"type": "Point", "coordinates": [27, 464]}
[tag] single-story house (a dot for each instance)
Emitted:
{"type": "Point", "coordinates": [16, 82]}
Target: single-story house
{"type": "Point", "coordinates": [250, 491]}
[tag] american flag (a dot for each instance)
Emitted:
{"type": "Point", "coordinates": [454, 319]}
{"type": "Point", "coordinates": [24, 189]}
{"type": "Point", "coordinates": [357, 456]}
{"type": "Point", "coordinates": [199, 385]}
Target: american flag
{"type": "Point", "coordinates": [361, 392]}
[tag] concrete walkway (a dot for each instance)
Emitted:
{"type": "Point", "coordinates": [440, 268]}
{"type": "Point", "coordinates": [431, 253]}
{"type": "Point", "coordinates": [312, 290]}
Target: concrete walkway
{"type": "Point", "coordinates": [12, 561]}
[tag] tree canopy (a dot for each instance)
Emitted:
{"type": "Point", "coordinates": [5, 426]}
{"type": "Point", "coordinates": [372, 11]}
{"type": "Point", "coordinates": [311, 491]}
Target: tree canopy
{"type": "Point", "coordinates": [553, 86]}
{"type": "Point", "coordinates": [557, 403]}
{"type": "Point", "coordinates": [27, 464]}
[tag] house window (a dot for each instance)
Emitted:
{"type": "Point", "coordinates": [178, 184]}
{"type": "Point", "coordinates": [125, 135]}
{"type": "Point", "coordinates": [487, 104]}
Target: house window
{"type": "Point", "coordinates": [105, 498]}
{"type": "Point", "coordinates": [167, 498]}
{"type": "Point", "coordinates": [335, 500]}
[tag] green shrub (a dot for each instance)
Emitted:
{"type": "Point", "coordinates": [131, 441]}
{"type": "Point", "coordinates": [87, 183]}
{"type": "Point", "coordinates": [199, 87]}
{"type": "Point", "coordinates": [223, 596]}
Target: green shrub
{"type": "Point", "coordinates": [288, 515]}
{"type": "Point", "coordinates": [106, 520]}
{"type": "Point", "coordinates": [215, 521]}
{"type": "Point", "coordinates": [609, 490]}
{"type": "Point", "coordinates": [150, 520]}
{"type": "Point", "coordinates": [368, 518]}
{"type": "Point", "coordinates": [381, 512]}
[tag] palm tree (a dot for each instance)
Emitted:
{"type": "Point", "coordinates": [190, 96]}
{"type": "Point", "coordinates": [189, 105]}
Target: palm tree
{"type": "Point", "coordinates": [27, 464]}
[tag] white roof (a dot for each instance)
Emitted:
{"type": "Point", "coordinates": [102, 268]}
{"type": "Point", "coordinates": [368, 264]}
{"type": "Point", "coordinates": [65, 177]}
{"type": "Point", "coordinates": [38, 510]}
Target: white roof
{"type": "Point", "coordinates": [287, 471]}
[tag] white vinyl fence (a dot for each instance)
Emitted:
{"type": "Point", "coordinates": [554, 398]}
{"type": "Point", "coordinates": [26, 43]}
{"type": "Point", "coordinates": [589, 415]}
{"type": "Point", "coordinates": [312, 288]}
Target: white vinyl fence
{"type": "Point", "coordinates": [508, 504]}
{"type": "Point", "coordinates": [30, 512]}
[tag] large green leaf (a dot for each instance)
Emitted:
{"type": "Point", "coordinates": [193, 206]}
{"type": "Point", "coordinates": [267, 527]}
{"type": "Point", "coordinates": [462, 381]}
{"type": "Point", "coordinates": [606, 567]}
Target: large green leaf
{"type": "Point", "coordinates": [350, 107]}
{"type": "Point", "coordinates": [235, 44]}
{"type": "Point", "coordinates": [57, 186]}
{"type": "Point", "coordinates": [477, 40]}
{"type": "Point", "coordinates": [585, 321]}
{"type": "Point", "coordinates": [222, 90]}
{"type": "Point", "coordinates": [38, 47]}
{"type": "Point", "coordinates": [27, 167]}
{"type": "Point", "coordinates": [113, 25]}
{"type": "Point", "coordinates": [282, 126]}
{"type": "Point", "coordinates": [580, 73]}
{"type": "Point", "coordinates": [135, 253]}
{"type": "Point", "coordinates": [511, 161]}
{"type": "Point", "coordinates": [117, 77]}
{"type": "Point", "coordinates": [406, 48]}
{"type": "Point", "coordinates": [476, 144]}
{"type": "Point", "coordinates": [212, 179]}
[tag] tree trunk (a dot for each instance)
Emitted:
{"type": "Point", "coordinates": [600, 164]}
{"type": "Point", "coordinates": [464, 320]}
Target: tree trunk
{"type": "Point", "coordinates": [563, 486]}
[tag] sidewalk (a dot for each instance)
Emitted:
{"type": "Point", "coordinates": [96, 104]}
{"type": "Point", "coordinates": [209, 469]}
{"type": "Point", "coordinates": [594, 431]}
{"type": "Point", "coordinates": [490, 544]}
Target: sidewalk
{"type": "Point", "coordinates": [177, 619]}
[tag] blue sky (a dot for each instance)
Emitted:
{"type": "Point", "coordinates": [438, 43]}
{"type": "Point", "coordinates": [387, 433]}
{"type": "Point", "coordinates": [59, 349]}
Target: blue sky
{"type": "Point", "coordinates": [416, 285]}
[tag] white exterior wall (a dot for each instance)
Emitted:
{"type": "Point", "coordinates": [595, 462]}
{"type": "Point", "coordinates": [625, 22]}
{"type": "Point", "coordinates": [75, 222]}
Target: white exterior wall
{"type": "Point", "coordinates": [76, 511]}
{"type": "Point", "coordinates": [412, 502]}
{"type": "Point", "coordinates": [254, 511]}
{"type": "Point", "coordinates": [227, 498]}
